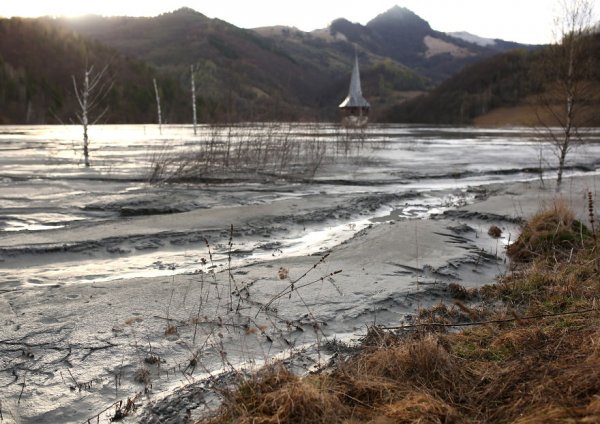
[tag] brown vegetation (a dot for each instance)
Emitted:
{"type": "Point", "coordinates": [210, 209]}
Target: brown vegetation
{"type": "Point", "coordinates": [528, 112]}
{"type": "Point", "coordinates": [276, 395]}
{"type": "Point", "coordinates": [536, 359]}
{"type": "Point", "coordinates": [554, 231]}
{"type": "Point", "coordinates": [495, 231]}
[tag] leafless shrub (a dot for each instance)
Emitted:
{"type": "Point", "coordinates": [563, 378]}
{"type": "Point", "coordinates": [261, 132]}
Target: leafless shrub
{"type": "Point", "coordinates": [267, 150]}
{"type": "Point", "coordinates": [123, 410]}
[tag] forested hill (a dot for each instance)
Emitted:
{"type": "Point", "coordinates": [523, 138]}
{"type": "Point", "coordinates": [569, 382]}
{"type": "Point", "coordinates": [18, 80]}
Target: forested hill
{"type": "Point", "coordinates": [500, 81]}
{"type": "Point", "coordinates": [38, 60]}
{"type": "Point", "coordinates": [274, 73]}
{"type": "Point", "coordinates": [268, 73]}
{"type": "Point", "coordinates": [508, 88]}
{"type": "Point", "coordinates": [407, 38]}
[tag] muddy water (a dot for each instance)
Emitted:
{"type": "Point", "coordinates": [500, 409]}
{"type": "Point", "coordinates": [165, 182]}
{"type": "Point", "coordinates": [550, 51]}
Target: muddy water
{"type": "Point", "coordinates": [68, 350]}
{"type": "Point", "coordinates": [403, 172]}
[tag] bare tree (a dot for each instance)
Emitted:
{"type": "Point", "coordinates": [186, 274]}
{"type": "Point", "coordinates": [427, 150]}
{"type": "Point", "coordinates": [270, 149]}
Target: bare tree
{"type": "Point", "coordinates": [94, 88]}
{"type": "Point", "coordinates": [567, 69]}
{"type": "Point", "coordinates": [193, 98]}
{"type": "Point", "coordinates": [158, 105]}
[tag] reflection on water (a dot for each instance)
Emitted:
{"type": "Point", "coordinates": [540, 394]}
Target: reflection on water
{"type": "Point", "coordinates": [19, 225]}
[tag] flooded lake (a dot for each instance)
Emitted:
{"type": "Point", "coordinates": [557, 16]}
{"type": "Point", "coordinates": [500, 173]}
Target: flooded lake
{"type": "Point", "coordinates": [410, 171]}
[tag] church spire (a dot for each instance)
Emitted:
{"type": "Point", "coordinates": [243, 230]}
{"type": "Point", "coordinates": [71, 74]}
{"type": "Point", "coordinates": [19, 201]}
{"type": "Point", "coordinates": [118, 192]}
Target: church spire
{"type": "Point", "coordinates": [355, 97]}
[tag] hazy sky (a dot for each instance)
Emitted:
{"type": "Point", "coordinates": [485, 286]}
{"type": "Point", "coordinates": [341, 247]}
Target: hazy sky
{"type": "Point", "coordinates": [525, 21]}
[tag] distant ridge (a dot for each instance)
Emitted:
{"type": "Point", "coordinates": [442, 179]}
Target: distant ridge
{"type": "Point", "coordinates": [270, 73]}
{"type": "Point", "coordinates": [405, 37]}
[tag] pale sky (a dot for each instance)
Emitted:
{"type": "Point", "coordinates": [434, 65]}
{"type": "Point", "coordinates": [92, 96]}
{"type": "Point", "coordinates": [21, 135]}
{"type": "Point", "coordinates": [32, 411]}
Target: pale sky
{"type": "Point", "coordinates": [524, 21]}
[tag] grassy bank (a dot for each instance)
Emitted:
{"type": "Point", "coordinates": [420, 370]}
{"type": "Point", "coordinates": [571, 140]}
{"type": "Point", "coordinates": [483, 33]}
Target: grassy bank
{"type": "Point", "coordinates": [528, 350]}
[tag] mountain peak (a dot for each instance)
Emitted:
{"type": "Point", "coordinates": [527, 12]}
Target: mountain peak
{"type": "Point", "coordinates": [400, 16]}
{"type": "Point", "coordinates": [399, 11]}
{"type": "Point", "coordinates": [186, 11]}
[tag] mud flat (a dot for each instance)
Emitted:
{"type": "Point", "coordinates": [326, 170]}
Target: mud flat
{"type": "Point", "coordinates": [71, 351]}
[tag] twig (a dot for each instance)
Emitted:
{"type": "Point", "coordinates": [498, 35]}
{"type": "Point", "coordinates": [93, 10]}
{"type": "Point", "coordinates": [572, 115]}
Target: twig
{"type": "Point", "coordinates": [290, 288]}
{"type": "Point", "coordinates": [169, 319]}
{"type": "Point", "coordinates": [108, 407]}
{"type": "Point", "coordinates": [291, 285]}
{"type": "Point", "coordinates": [22, 389]}
{"type": "Point", "coordinates": [73, 378]}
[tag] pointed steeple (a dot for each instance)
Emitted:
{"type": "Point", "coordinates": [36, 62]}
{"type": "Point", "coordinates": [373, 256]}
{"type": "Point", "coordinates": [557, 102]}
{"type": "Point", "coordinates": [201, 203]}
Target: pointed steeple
{"type": "Point", "coordinates": [355, 97]}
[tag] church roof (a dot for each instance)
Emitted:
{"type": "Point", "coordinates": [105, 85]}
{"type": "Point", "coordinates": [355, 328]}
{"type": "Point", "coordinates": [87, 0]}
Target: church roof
{"type": "Point", "coordinates": [355, 97]}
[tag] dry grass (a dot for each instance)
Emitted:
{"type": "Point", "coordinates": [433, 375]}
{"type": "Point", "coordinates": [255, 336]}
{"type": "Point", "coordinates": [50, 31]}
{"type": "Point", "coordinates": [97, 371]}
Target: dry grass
{"type": "Point", "coordinates": [384, 376]}
{"type": "Point", "coordinates": [530, 113]}
{"type": "Point", "coordinates": [551, 232]}
{"type": "Point", "coordinates": [495, 231]}
{"type": "Point", "coordinates": [520, 115]}
{"type": "Point", "coordinates": [518, 369]}
{"type": "Point", "coordinates": [275, 395]}
{"type": "Point", "coordinates": [421, 408]}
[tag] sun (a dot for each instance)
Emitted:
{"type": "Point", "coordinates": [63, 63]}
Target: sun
{"type": "Point", "coordinates": [34, 8]}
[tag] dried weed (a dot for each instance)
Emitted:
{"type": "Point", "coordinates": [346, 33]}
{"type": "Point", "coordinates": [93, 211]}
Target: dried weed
{"type": "Point", "coordinates": [275, 395]}
{"type": "Point", "coordinates": [551, 232]}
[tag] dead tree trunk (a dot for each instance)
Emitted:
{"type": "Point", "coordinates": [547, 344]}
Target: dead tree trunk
{"type": "Point", "coordinates": [94, 88]}
{"type": "Point", "coordinates": [195, 120]}
{"type": "Point", "coordinates": [158, 106]}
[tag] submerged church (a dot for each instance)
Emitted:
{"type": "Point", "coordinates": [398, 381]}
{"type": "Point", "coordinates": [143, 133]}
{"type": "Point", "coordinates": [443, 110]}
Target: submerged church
{"type": "Point", "coordinates": [355, 108]}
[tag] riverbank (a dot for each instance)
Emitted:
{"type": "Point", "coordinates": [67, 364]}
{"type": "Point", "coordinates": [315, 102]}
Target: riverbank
{"type": "Point", "coordinates": [527, 352]}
